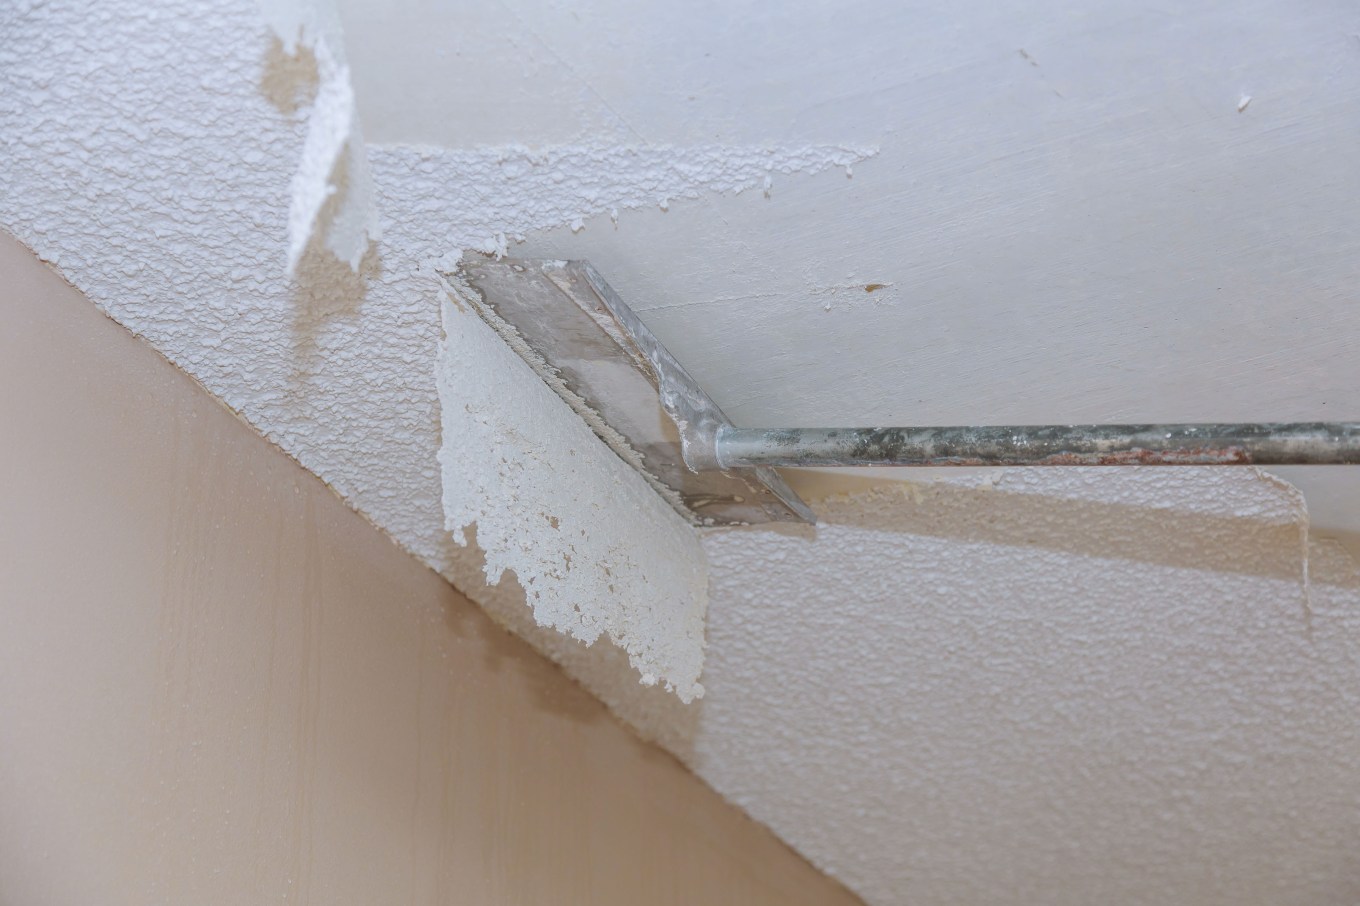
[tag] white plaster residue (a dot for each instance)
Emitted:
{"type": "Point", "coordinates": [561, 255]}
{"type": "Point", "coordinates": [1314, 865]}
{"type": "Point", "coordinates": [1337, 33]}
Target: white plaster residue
{"type": "Point", "coordinates": [333, 159]}
{"type": "Point", "coordinates": [596, 549]}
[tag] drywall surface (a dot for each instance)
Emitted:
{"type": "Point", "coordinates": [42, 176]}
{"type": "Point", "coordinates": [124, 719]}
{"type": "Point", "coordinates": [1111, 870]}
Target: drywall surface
{"type": "Point", "coordinates": [219, 685]}
{"type": "Point", "coordinates": [1068, 219]}
{"type": "Point", "coordinates": [172, 194]}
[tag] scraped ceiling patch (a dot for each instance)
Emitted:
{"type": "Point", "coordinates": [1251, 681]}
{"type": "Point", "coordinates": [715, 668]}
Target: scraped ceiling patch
{"type": "Point", "coordinates": [169, 195]}
{"type": "Point", "coordinates": [333, 160]}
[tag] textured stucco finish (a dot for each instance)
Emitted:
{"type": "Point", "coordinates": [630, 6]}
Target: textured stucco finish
{"type": "Point", "coordinates": [169, 194]}
{"type": "Point", "coordinates": [1058, 686]}
{"type": "Point", "coordinates": [1046, 688]}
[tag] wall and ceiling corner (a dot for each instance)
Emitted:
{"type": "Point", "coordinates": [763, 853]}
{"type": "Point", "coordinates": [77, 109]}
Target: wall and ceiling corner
{"type": "Point", "coordinates": [1008, 686]}
{"type": "Point", "coordinates": [241, 165]}
{"type": "Point", "coordinates": [220, 685]}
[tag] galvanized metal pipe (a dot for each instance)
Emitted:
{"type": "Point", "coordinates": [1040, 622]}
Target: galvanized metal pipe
{"type": "Point", "coordinates": [1300, 443]}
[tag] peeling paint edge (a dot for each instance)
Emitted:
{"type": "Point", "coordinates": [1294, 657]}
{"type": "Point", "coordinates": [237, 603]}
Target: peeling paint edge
{"type": "Point", "coordinates": [334, 157]}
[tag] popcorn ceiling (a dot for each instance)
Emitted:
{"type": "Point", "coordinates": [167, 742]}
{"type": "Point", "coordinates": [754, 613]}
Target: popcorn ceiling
{"type": "Point", "coordinates": [1044, 688]}
{"type": "Point", "coordinates": [1101, 689]}
{"type": "Point", "coordinates": [172, 159]}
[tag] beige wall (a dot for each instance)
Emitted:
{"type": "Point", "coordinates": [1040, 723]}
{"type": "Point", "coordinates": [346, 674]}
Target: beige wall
{"type": "Point", "coordinates": [219, 685]}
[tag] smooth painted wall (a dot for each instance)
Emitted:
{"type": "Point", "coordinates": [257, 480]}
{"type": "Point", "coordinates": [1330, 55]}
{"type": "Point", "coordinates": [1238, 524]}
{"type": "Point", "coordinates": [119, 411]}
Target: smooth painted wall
{"type": "Point", "coordinates": [220, 685]}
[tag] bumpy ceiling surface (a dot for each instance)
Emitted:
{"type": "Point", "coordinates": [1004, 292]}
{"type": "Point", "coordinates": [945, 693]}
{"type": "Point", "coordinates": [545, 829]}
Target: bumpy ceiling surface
{"type": "Point", "coordinates": [1016, 686]}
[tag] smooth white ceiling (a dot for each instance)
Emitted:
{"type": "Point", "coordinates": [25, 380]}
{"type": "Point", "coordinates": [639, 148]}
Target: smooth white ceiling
{"type": "Point", "coordinates": [1071, 218]}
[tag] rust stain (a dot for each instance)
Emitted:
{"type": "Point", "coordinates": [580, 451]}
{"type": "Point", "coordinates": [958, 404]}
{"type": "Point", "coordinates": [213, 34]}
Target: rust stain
{"type": "Point", "coordinates": [1196, 456]}
{"type": "Point", "coordinates": [1191, 456]}
{"type": "Point", "coordinates": [894, 446]}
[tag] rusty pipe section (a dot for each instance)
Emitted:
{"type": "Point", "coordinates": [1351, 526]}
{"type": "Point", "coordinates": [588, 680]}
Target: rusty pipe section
{"type": "Point", "coordinates": [1265, 444]}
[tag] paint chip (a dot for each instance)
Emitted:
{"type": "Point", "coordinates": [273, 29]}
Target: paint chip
{"type": "Point", "coordinates": [334, 160]}
{"type": "Point", "coordinates": [1242, 104]}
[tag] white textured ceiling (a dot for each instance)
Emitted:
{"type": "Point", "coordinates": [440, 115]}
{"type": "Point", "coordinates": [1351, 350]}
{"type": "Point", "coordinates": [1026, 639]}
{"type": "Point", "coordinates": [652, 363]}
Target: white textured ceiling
{"type": "Point", "coordinates": [1022, 686]}
{"type": "Point", "coordinates": [1045, 689]}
